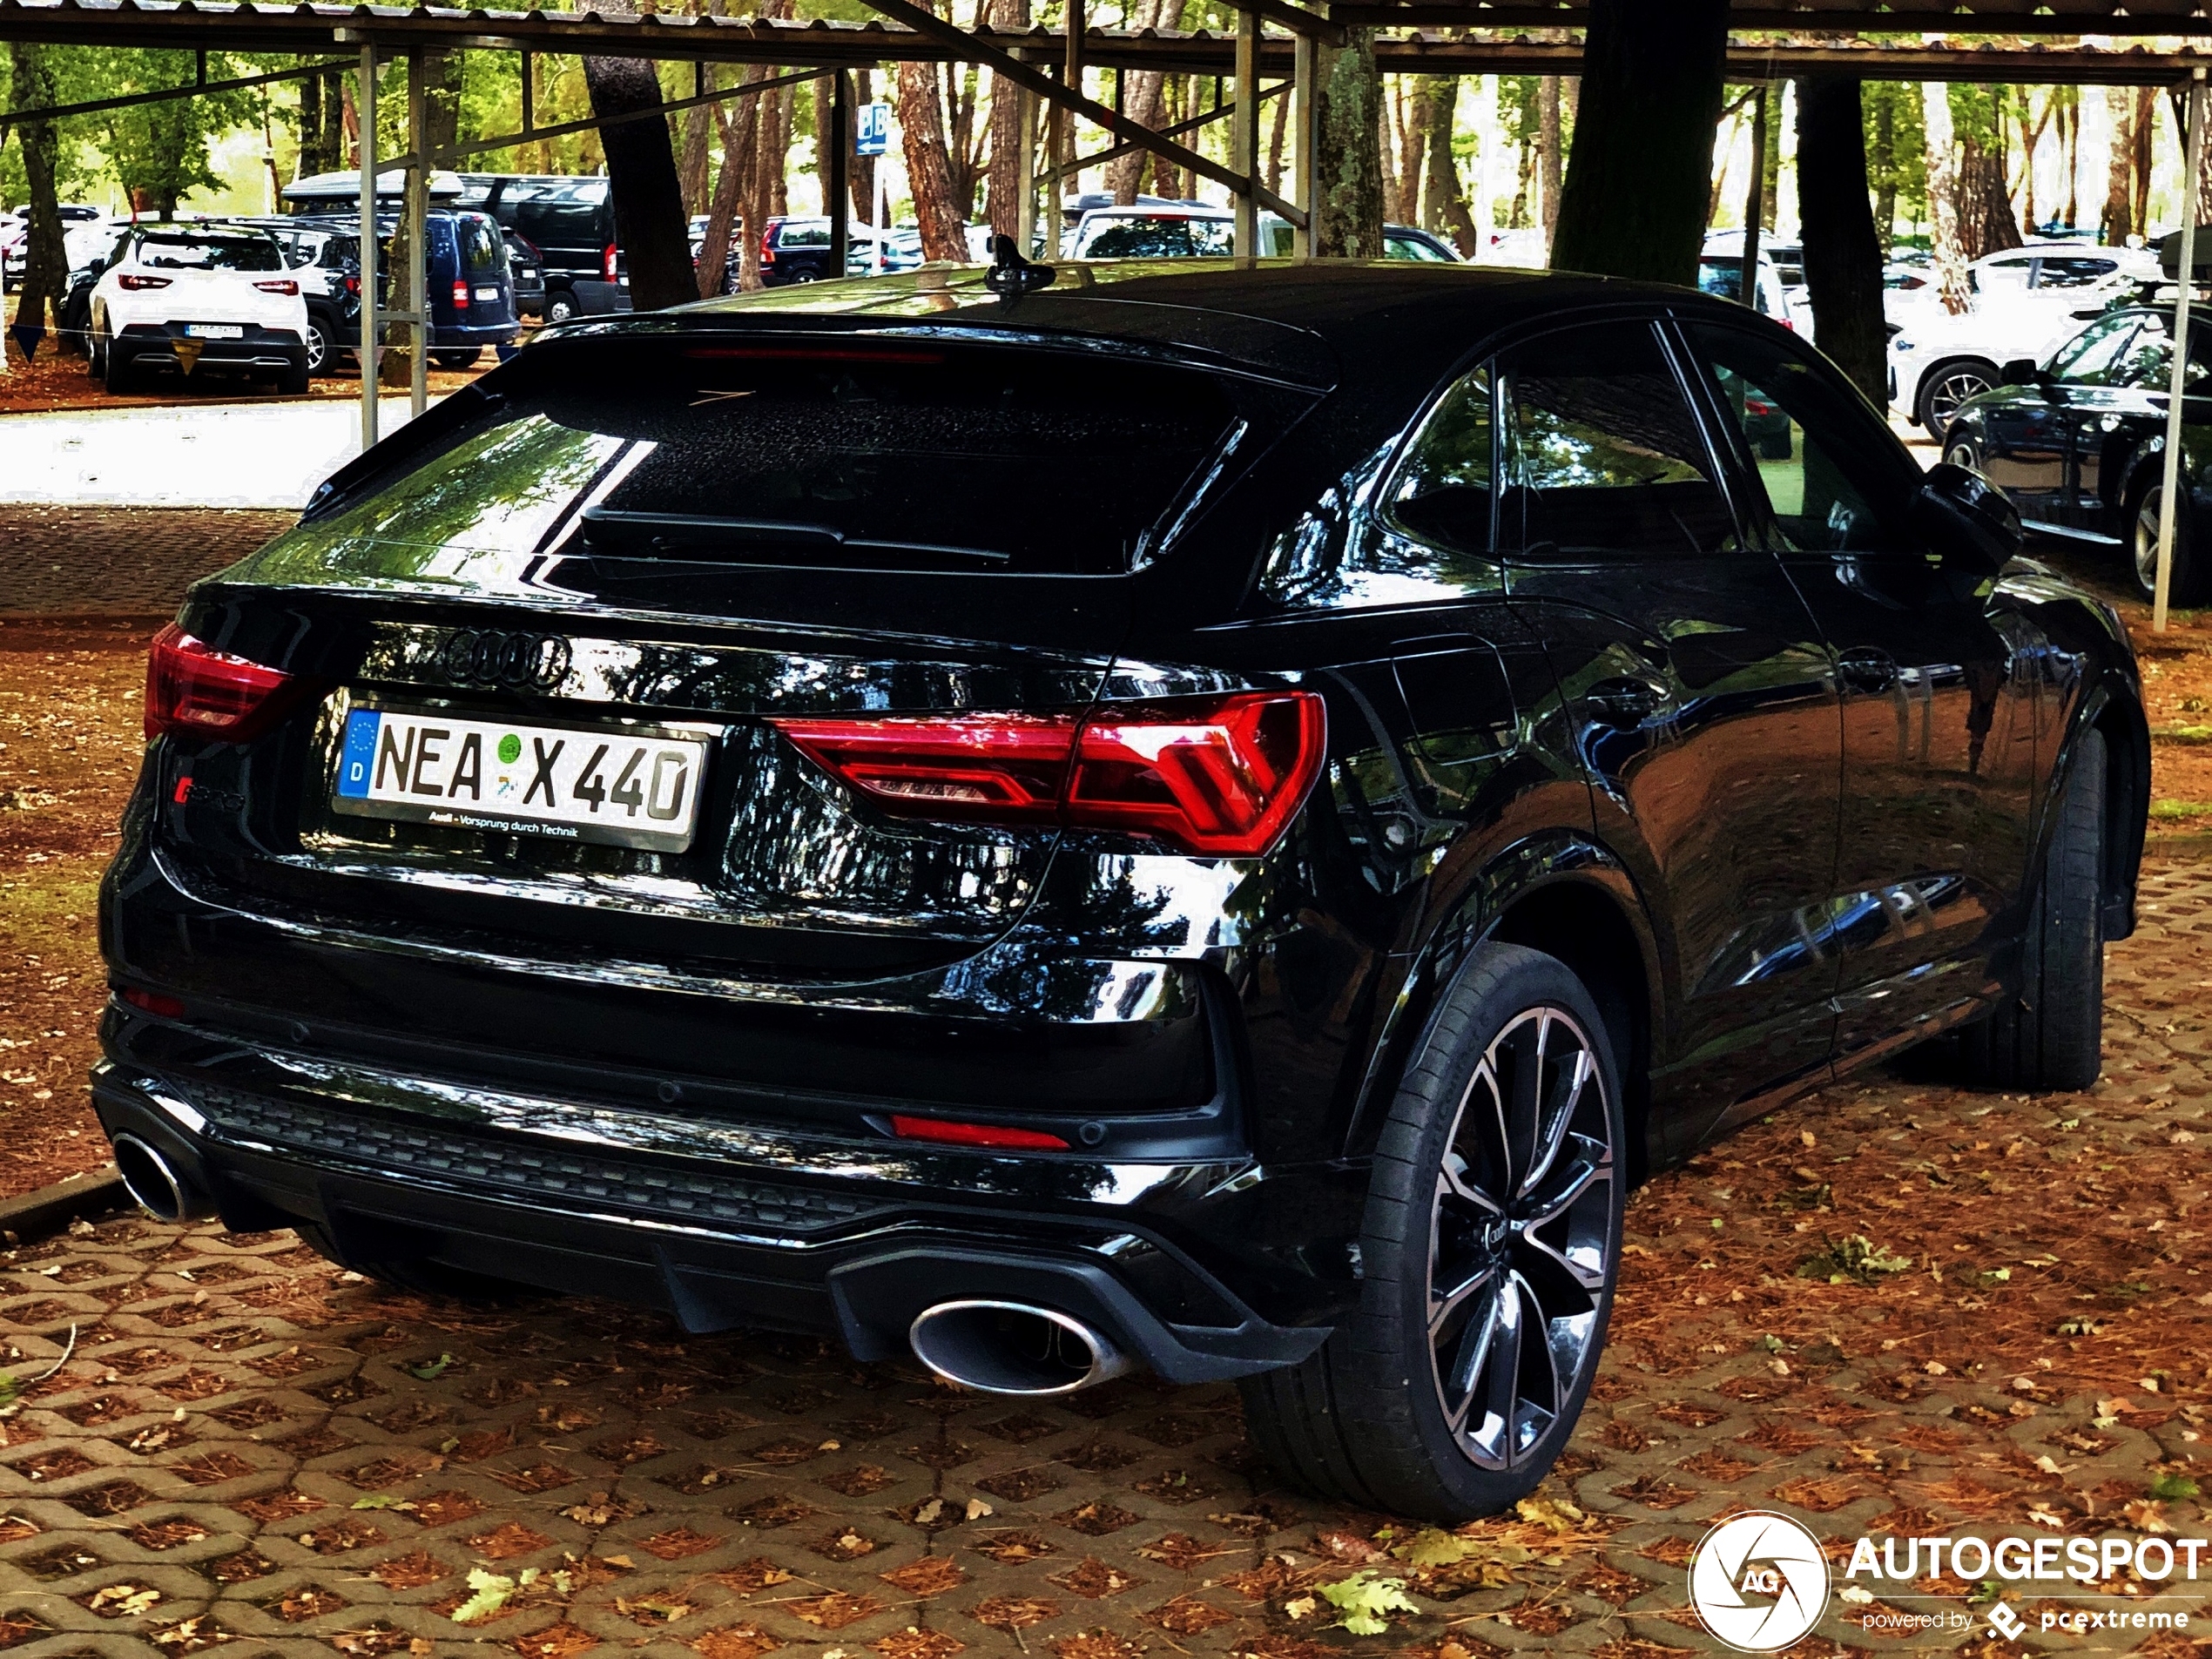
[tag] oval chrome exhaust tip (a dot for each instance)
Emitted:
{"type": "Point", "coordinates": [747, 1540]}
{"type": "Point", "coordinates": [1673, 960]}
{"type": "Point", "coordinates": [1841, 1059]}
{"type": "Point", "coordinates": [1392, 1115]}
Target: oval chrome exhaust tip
{"type": "Point", "coordinates": [1013, 1348]}
{"type": "Point", "coordinates": [149, 1177]}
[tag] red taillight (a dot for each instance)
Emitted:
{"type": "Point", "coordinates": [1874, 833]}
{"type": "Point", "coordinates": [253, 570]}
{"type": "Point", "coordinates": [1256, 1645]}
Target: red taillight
{"type": "Point", "coordinates": [607, 261]}
{"type": "Point", "coordinates": [195, 691]}
{"type": "Point", "coordinates": [936, 1129]}
{"type": "Point", "coordinates": [460, 296]}
{"type": "Point", "coordinates": [167, 1008]}
{"type": "Point", "coordinates": [768, 246]}
{"type": "Point", "coordinates": [352, 285]}
{"type": "Point", "coordinates": [277, 287]}
{"type": "Point", "coordinates": [1216, 775]}
{"type": "Point", "coordinates": [139, 284]}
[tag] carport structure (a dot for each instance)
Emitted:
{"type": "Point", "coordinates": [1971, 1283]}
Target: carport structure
{"type": "Point", "coordinates": [1907, 40]}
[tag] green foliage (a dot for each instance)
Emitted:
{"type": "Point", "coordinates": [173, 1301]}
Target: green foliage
{"type": "Point", "coordinates": [1363, 1599]}
{"type": "Point", "coordinates": [2171, 1487]}
{"type": "Point", "coordinates": [489, 1592]}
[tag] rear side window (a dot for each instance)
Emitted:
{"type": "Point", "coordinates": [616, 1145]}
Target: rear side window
{"type": "Point", "coordinates": [1603, 457]}
{"type": "Point", "coordinates": [482, 252]}
{"type": "Point", "coordinates": [807, 235]}
{"type": "Point", "coordinates": [845, 454]}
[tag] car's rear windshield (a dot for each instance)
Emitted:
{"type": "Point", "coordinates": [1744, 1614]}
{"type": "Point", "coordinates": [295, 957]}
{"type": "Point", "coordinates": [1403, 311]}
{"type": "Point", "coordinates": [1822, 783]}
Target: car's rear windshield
{"type": "Point", "coordinates": [208, 251]}
{"type": "Point", "coordinates": [482, 252]}
{"type": "Point", "coordinates": [864, 454]}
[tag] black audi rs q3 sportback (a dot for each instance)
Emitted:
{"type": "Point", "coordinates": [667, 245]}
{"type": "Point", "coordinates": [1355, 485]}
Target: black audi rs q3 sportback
{"type": "Point", "coordinates": [1204, 819]}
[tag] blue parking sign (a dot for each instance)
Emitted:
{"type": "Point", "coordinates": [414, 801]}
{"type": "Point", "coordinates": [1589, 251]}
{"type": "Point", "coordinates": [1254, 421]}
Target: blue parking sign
{"type": "Point", "coordinates": [872, 133]}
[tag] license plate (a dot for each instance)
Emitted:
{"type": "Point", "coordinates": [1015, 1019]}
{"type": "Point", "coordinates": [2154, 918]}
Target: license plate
{"type": "Point", "coordinates": [487, 293]}
{"type": "Point", "coordinates": [628, 785]}
{"type": "Point", "coordinates": [527, 272]}
{"type": "Point", "coordinates": [215, 330]}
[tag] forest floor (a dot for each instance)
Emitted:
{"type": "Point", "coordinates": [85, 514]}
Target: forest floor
{"type": "Point", "coordinates": [56, 380]}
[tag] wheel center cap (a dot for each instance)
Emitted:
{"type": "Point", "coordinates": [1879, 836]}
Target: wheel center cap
{"type": "Point", "coordinates": [1496, 1233]}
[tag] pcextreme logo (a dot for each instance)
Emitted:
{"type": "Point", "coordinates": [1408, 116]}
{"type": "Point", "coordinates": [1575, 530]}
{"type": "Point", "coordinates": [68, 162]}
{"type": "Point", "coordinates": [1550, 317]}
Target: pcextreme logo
{"type": "Point", "coordinates": [1759, 1582]}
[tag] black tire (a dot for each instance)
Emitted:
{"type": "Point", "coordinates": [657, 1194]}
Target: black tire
{"type": "Point", "coordinates": [1944, 387]}
{"type": "Point", "coordinates": [2050, 1036]}
{"type": "Point", "coordinates": [96, 356]}
{"type": "Point", "coordinates": [559, 307]}
{"type": "Point", "coordinates": [1365, 1420]}
{"type": "Point", "coordinates": [116, 370]}
{"type": "Point", "coordinates": [2188, 584]}
{"type": "Point", "coordinates": [1962, 452]}
{"type": "Point", "coordinates": [457, 357]}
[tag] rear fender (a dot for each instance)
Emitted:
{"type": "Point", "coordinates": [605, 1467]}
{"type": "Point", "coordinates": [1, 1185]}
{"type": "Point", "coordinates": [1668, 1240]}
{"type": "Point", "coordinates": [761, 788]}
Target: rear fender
{"type": "Point", "coordinates": [1508, 899]}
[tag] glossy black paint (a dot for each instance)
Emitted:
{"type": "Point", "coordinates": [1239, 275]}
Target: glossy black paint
{"type": "Point", "coordinates": [2080, 438]}
{"type": "Point", "coordinates": [1775, 806]}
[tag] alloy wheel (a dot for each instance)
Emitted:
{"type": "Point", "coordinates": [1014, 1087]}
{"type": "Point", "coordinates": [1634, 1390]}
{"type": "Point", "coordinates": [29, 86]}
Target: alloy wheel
{"type": "Point", "coordinates": [1962, 454]}
{"type": "Point", "coordinates": [318, 348]}
{"type": "Point", "coordinates": [1521, 1241]}
{"type": "Point", "coordinates": [2145, 542]}
{"type": "Point", "coordinates": [1950, 391]}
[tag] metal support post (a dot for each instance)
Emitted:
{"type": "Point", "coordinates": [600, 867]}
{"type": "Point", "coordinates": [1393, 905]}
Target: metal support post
{"type": "Point", "coordinates": [529, 91]}
{"type": "Point", "coordinates": [1243, 134]}
{"type": "Point", "coordinates": [418, 230]}
{"type": "Point", "coordinates": [1755, 207]}
{"type": "Point", "coordinates": [1067, 177]}
{"type": "Point", "coordinates": [2185, 288]}
{"type": "Point", "coordinates": [838, 188]}
{"type": "Point", "coordinates": [1025, 211]}
{"type": "Point", "coordinates": [1305, 111]}
{"type": "Point", "coordinates": [365, 102]}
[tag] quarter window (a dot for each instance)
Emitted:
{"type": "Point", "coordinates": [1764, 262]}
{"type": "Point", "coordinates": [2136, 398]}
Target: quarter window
{"type": "Point", "coordinates": [1442, 493]}
{"type": "Point", "coordinates": [1603, 455]}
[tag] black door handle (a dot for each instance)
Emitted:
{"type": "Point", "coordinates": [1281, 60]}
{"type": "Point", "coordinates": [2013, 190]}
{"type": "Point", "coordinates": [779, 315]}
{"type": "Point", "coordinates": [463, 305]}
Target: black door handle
{"type": "Point", "coordinates": [1620, 702]}
{"type": "Point", "coordinates": [1868, 670]}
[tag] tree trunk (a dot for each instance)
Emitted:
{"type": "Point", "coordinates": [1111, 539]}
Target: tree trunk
{"type": "Point", "coordinates": [2145, 131]}
{"type": "Point", "coordinates": [1886, 160]}
{"type": "Point", "coordinates": [1548, 146]}
{"type": "Point", "coordinates": [1942, 198]}
{"type": "Point", "coordinates": [1447, 201]}
{"type": "Point", "coordinates": [2120, 166]}
{"type": "Point", "coordinates": [929, 175]}
{"type": "Point", "coordinates": [1349, 175]}
{"type": "Point", "coordinates": [45, 275]}
{"type": "Point", "coordinates": [1144, 100]}
{"type": "Point", "coordinates": [2070, 141]}
{"type": "Point", "coordinates": [1388, 136]}
{"type": "Point", "coordinates": [697, 165]}
{"type": "Point", "coordinates": [1984, 207]}
{"type": "Point", "coordinates": [1278, 136]}
{"type": "Point", "coordinates": [774, 191]}
{"type": "Point", "coordinates": [642, 178]}
{"type": "Point", "coordinates": [1007, 175]}
{"type": "Point", "coordinates": [1634, 201]}
{"type": "Point", "coordinates": [738, 122]}
{"type": "Point", "coordinates": [311, 161]}
{"type": "Point", "coordinates": [441, 97]}
{"type": "Point", "coordinates": [1842, 251]}
{"type": "Point", "coordinates": [862, 179]}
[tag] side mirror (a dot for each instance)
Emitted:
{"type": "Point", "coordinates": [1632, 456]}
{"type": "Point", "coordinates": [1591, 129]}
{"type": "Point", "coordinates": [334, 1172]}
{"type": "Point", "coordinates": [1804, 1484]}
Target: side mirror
{"type": "Point", "coordinates": [1962, 516]}
{"type": "Point", "coordinates": [2021, 371]}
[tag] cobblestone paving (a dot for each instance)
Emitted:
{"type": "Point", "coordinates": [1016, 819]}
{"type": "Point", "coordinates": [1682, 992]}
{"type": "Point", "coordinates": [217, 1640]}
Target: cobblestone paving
{"type": "Point", "coordinates": [247, 1448]}
{"type": "Point", "coordinates": [109, 561]}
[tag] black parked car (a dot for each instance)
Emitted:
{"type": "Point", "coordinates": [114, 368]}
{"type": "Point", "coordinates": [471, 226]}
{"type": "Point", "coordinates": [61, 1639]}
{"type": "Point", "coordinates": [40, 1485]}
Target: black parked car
{"type": "Point", "coordinates": [570, 220]}
{"type": "Point", "coordinates": [2079, 443]}
{"type": "Point", "coordinates": [1214, 820]}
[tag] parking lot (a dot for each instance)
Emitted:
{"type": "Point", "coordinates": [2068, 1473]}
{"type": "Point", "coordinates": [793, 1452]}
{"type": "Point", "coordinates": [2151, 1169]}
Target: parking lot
{"type": "Point", "coordinates": [1898, 1306]}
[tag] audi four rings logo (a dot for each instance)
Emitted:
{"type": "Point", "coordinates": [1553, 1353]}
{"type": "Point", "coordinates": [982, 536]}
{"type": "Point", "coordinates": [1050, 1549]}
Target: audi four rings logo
{"type": "Point", "coordinates": [519, 662]}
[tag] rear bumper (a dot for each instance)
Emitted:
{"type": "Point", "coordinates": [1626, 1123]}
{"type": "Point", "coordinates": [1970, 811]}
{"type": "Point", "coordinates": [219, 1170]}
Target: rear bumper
{"type": "Point", "coordinates": [153, 345]}
{"type": "Point", "coordinates": [773, 1233]}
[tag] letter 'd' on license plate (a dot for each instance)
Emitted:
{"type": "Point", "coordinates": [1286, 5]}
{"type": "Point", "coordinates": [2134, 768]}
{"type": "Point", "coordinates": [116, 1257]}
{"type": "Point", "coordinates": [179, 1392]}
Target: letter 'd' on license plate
{"type": "Point", "coordinates": [626, 785]}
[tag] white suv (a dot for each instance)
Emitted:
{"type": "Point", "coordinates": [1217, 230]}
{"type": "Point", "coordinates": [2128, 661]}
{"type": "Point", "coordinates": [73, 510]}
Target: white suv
{"type": "Point", "coordinates": [198, 297]}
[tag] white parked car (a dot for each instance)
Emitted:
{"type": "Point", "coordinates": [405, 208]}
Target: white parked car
{"type": "Point", "coordinates": [78, 221]}
{"type": "Point", "coordinates": [1720, 270]}
{"type": "Point", "coordinates": [203, 297]}
{"type": "Point", "coordinates": [2023, 302]}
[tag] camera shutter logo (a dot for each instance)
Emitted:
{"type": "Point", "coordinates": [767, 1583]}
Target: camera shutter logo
{"type": "Point", "coordinates": [1759, 1582]}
